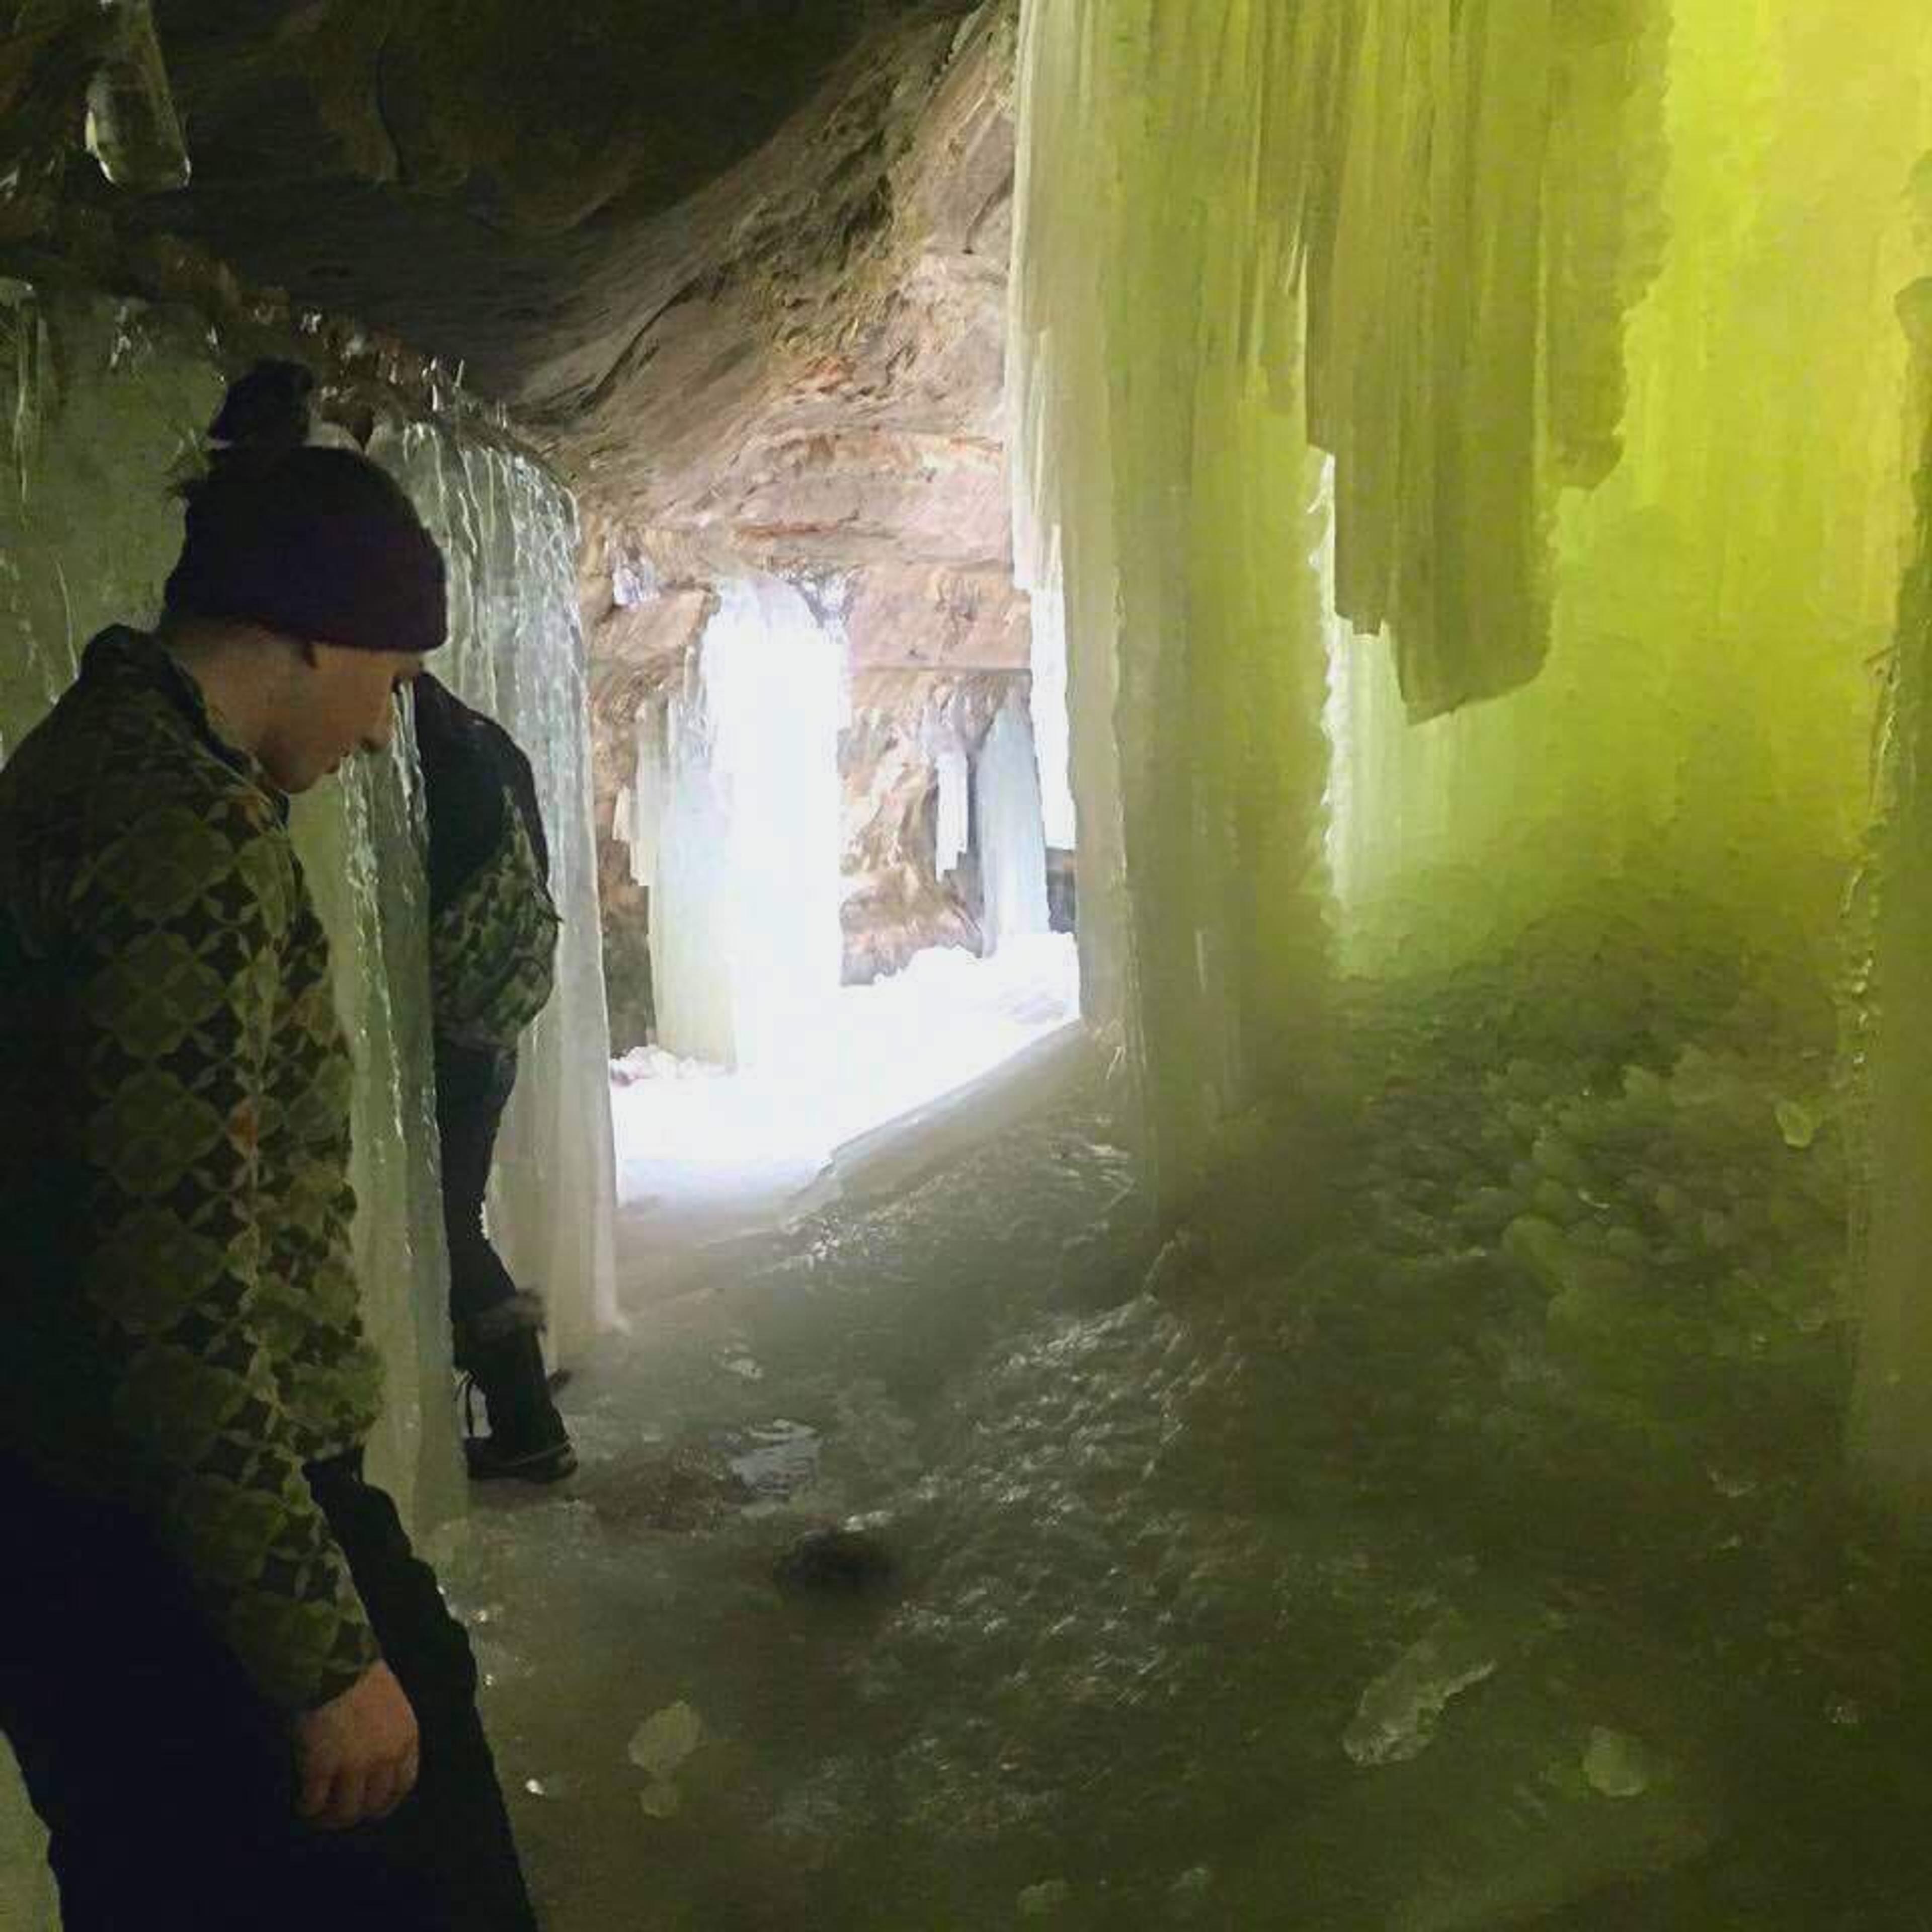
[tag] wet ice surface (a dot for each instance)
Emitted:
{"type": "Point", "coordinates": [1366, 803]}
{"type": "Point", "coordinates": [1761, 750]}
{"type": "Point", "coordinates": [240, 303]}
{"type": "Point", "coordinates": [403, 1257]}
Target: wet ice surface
{"type": "Point", "coordinates": [1456, 1547]}
{"type": "Point", "coordinates": [706, 1156]}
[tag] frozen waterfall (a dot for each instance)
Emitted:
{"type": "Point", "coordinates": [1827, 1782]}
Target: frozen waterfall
{"type": "Point", "coordinates": [746, 950]}
{"type": "Point", "coordinates": [1012, 844]}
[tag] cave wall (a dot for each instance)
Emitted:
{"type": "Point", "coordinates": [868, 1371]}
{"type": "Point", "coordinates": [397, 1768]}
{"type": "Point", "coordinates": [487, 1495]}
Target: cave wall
{"type": "Point", "coordinates": [831, 412]}
{"type": "Point", "coordinates": [896, 901]}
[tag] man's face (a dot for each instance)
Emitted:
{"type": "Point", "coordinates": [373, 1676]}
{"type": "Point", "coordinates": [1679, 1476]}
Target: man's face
{"type": "Point", "coordinates": [342, 702]}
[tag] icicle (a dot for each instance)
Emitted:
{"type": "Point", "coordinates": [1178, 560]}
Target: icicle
{"type": "Point", "coordinates": [1012, 844]}
{"type": "Point", "coordinates": [1467, 196]}
{"type": "Point", "coordinates": [516, 651]}
{"type": "Point", "coordinates": [132, 129]}
{"type": "Point", "coordinates": [952, 829]}
{"type": "Point", "coordinates": [1163, 486]}
{"type": "Point", "coordinates": [1695, 752]}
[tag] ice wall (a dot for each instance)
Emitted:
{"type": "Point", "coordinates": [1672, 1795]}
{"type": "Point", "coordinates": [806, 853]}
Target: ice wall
{"type": "Point", "coordinates": [1893, 1395]}
{"type": "Point", "coordinates": [516, 651]}
{"type": "Point", "coordinates": [642, 826]}
{"type": "Point", "coordinates": [1052, 728]}
{"type": "Point", "coordinates": [100, 404]}
{"type": "Point", "coordinates": [104, 402]}
{"type": "Point", "coordinates": [1696, 750]}
{"type": "Point", "coordinates": [1318, 311]}
{"type": "Point", "coordinates": [746, 949]}
{"type": "Point", "coordinates": [1012, 841]}
{"type": "Point", "coordinates": [1164, 486]}
{"type": "Point", "coordinates": [1463, 199]}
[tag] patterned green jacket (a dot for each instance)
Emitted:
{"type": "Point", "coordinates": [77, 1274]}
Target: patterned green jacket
{"type": "Point", "coordinates": [493, 924]}
{"type": "Point", "coordinates": [181, 1320]}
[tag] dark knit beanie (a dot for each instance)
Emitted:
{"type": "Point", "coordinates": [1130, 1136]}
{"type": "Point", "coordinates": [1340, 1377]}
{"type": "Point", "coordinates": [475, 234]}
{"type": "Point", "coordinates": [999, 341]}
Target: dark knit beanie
{"type": "Point", "coordinates": [318, 544]}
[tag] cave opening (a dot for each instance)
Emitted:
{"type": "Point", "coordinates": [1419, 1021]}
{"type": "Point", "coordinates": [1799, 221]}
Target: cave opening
{"type": "Point", "coordinates": [859, 943]}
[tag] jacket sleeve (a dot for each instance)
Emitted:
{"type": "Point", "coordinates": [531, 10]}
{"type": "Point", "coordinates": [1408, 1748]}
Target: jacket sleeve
{"type": "Point", "coordinates": [177, 928]}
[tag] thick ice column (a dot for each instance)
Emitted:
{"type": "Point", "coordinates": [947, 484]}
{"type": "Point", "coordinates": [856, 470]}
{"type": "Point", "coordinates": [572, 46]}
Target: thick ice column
{"type": "Point", "coordinates": [1891, 1419]}
{"type": "Point", "coordinates": [1052, 724]}
{"type": "Point", "coordinates": [1012, 841]}
{"type": "Point", "coordinates": [746, 949]}
{"type": "Point", "coordinates": [517, 651]}
{"type": "Point", "coordinates": [1164, 486]}
{"type": "Point", "coordinates": [648, 792]}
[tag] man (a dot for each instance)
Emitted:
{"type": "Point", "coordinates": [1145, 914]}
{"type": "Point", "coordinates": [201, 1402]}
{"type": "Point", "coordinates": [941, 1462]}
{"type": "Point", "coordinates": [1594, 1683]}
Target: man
{"type": "Point", "coordinates": [237, 1697]}
{"type": "Point", "coordinates": [493, 943]}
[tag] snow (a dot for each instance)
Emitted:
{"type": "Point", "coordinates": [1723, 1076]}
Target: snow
{"type": "Point", "coordinates": [704, 1153]}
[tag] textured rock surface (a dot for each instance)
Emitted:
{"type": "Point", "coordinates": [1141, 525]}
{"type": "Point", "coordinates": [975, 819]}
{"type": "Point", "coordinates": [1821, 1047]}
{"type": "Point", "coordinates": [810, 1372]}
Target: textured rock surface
{"type": "Point", "coordinates": [832, 414]}
{"type": "Point", "coordinates": [895, 901]}
{"type": "Point", "coordinates": [744, 265]}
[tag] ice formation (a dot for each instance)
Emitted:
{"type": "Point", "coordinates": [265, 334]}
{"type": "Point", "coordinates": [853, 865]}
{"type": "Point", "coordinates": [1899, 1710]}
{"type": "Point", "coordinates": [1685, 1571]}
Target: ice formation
{"type": "Point", "coordinates": [137, 384]}
{"type": "Point", "coordinates": [953, 821]}
{"type": "Point", "coordinates": [746, 949]}
{"type": "Point", "coordinates": [1051, 727]}
{"type": "Point", "coordinates": [641, 804]}
{"type": "Point", "coordinates": [1889, 1426]}
{"type": "Point", "coordinates": [1006, 810]}
{"type": "Point", "coordinates": [1163, 484]}
{"type": "Point", "coordinates": [1318, 311]}
{"type": "Point", "coordinates": [516, 651]}
{"type": "Point", "coordinates": [1398, 1712]}
{"type": "Point", "coordinates": [132, 128]}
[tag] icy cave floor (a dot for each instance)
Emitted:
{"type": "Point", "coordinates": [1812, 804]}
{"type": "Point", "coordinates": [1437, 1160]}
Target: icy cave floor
{"type": "Point", "coordinates": [709, 1159]}
{"type": "Point", "coordinates": [1445, 1534]}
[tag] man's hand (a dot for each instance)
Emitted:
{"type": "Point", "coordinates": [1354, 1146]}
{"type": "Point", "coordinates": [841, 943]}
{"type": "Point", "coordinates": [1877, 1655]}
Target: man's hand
{"type": "Point", "coordinates": [356, 1758]}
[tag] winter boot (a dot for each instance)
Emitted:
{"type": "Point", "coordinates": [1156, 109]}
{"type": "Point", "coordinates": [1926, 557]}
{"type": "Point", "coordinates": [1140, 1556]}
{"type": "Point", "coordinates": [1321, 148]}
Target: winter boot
{"type": "Point", "coordinates": [527, 1440]}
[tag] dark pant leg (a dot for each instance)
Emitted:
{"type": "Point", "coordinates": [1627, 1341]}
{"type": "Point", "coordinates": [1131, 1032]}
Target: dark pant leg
{"type": "Point", "coordinates": [495, 1329]}
{"type": "Point", "coordinates": [473, 1086]}
{"type": "Point", "coordinates": [168, 1787]}
{"type": "Point", "coordinates": [163, 1781]}
{"type": "Point", "coordinates": [453, 1834]}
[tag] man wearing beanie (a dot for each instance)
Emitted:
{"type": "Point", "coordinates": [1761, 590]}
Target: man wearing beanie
{"type": "Point", "coordinates": [236, 1696]}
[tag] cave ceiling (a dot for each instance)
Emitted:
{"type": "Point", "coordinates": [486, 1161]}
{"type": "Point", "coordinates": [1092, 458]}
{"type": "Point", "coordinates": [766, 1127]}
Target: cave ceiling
{"type": "Point", "coordinates": [475, 175]}
{"type": "Point", "coordinates": [738, 266]}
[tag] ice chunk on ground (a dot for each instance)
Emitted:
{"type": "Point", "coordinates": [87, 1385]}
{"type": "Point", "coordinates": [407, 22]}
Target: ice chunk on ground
{"type": "Point", "coordinates": [1396, 1717]}
{"type": "Point", "coordinates": [1043, 1901]}
{"type": "Point", "coordinates": [1616, 1765]}
{"type": "Point", "coordinates": [663, 1742]}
